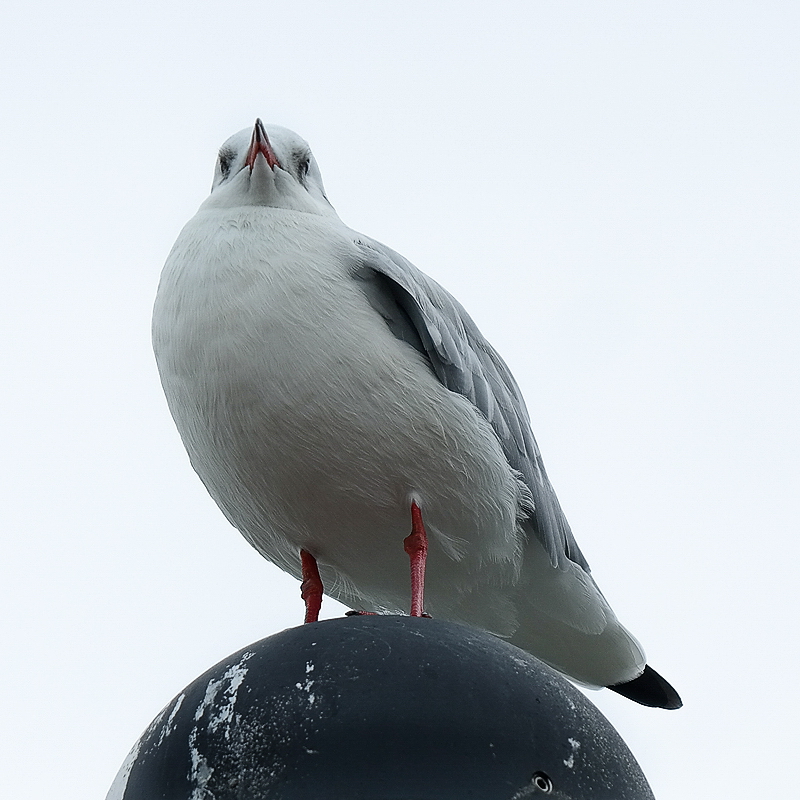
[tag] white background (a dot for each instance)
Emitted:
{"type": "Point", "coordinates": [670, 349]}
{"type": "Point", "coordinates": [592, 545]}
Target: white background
{"type": "Point", "coordinates": [611, 188]}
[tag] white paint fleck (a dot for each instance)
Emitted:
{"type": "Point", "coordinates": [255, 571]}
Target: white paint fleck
{"type": "Point", "coordinates": [211, 692]}
{"type": "Point", "coordinates": [168, 727]}
{"type": "Point", "coordinates": [575, 745]}
{"type": "Point", "coordinates": [200, 771]}
{"type": "Point", "coordinates": [117, 790]}
{"type": "Point", "coordinates": [306, 686]}
{"type": "Point", "coordinates": [235, 675]}
{"type": "Point", "coordinates": [227, 686]}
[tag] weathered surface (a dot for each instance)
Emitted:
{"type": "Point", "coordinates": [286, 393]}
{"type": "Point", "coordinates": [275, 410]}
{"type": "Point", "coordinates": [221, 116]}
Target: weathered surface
{"type": "Point", "coordinates": [380, 708]}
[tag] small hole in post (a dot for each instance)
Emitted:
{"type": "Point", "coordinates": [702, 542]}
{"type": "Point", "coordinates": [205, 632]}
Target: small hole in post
{"type": "Point", "coordinates": [542, 782]}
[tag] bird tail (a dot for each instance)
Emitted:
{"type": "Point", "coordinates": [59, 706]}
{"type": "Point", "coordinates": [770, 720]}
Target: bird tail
{"type": "Point", "coordinates": [649, 689]}
{"type": "Point", "coordinates": [564, 620]}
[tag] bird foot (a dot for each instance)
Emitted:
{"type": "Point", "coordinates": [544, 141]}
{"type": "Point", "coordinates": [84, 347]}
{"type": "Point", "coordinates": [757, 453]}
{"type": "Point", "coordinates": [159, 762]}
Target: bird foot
{"type": "Point", "coordinates": [416, 545]}
{"type": "Point", "coordinates": [311, 587]}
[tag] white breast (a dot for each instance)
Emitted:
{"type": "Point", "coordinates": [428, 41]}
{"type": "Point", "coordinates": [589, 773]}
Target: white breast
{"type": "Point", "coordinates": [313, 426]}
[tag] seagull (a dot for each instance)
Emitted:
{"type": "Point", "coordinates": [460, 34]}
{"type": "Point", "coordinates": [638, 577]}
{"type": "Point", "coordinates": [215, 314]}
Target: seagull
{"type": "Point", "coordinates": [352, 422]}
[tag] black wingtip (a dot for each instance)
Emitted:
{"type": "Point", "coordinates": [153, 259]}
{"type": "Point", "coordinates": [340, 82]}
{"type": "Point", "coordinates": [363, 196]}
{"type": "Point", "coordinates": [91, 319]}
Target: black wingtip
{"type": "Point", "coordinates": [649, 689]}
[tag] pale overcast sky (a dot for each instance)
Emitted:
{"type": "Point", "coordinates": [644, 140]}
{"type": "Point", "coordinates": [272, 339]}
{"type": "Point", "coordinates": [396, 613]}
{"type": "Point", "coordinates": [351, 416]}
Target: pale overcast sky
{"type": "Point", "coordinates": [610, 188]}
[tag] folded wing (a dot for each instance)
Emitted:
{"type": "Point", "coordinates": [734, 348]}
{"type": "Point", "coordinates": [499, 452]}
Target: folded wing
{"type": "Point", "coordinates": [425, 315]}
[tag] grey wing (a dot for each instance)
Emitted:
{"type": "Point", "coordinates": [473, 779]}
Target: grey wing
{"type": "Point", "coordinates": [425, 315]}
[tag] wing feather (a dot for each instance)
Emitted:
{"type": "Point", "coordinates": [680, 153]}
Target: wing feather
{"type": "Point", "coordinates": [419, 311]}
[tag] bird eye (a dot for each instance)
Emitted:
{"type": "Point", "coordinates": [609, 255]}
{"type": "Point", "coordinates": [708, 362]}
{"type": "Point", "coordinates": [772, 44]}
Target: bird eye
{"type": "Point", "coordinates": [542, 782]}
{"type": "Point", "coordinates": [303, 160]}
{"type": "Point", "coordinates": [225, 160]}
{"type": "Point", "coordinates": [303, 164]}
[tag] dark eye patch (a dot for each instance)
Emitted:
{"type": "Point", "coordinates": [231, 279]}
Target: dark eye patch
{"type": "Point", "coordinates": [225, 160]}
{"type": "Point", "coordinates": [303, 160]}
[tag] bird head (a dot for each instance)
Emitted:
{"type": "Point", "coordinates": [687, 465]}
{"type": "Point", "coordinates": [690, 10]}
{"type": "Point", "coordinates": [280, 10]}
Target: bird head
{"type": "Point", "coordinates": [268, 166]}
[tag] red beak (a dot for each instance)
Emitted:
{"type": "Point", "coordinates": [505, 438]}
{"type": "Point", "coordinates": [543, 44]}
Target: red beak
{"type": "Point", "coordinates": [260, 144]}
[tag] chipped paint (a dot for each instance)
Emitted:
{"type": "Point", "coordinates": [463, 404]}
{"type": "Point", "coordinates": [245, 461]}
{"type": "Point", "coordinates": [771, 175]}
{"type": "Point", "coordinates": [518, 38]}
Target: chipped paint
{"type": "Point", "coordinates": [235, 675]}
{"type": "Point", "coordinates": [575, 745]}
{"type": "Point", "coordinates": [220, 715]}
{"type": "Point", "coordinates": [168, 727]}
{"type": "Point", "coordinates": [117, 790]}
{"type": "Point", "coordinates": [307, 684]}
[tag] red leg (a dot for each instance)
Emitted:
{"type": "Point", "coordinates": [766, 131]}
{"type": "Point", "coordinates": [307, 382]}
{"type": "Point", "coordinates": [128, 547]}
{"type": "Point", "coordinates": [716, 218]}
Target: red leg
{"type": "Point", "coordinates": [416, 545]}
{"type": "Point", "coordinates": [311, 587]}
